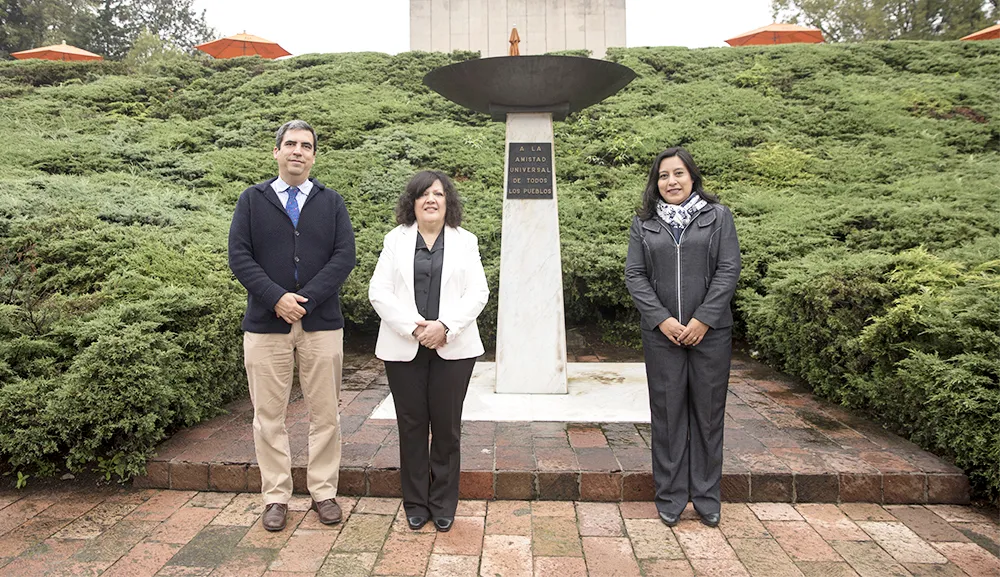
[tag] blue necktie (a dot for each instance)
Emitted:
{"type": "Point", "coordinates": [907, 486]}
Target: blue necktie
{"type": "Point", "coordinates": [292, 206]}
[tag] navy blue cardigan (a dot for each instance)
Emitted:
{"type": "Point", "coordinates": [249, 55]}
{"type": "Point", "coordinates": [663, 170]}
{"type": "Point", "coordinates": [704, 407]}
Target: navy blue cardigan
{"type": "Point", "coordinates": [264, 248]}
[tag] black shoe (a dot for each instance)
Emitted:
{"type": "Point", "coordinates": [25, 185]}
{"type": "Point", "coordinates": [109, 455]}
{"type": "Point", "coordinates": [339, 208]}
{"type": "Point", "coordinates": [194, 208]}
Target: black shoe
{"type": "Point", "coordinates": [710, 519]}
{"type": "Point", "coordinates": [443, 524]}
{"type": "Point", "coordinates": [668, 519]}
{"type": "Point", "coordinates": [416, 522]}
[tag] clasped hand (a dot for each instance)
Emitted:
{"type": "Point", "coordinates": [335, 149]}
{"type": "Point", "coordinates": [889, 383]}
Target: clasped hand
{"type": "Point", "coordinates": [679, 334]}
{"type": "Point", "coordinates": [430, 334]}
{"type": "Point", "coordinates": [288, 307]}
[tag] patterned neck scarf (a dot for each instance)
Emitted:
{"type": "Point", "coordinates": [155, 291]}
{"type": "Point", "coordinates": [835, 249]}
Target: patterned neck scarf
{"type": "Point", "coordinates": [679, 215]}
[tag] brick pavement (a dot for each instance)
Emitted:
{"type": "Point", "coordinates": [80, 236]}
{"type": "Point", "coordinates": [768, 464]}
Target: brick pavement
{"type": "Point", "coordinates": [73, 529]}
{"type": "Point", "coordinates": [781, 444]}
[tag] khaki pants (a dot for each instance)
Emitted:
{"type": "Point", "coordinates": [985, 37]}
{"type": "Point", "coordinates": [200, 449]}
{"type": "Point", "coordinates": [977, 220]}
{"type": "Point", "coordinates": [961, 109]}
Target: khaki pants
{"type": "Point", "coordinates": [269, 360]}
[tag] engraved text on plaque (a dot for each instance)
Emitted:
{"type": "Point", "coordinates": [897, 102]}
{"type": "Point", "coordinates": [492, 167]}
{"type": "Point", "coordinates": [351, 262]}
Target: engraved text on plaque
{"type": "Point", "coordinates": [529, 170]}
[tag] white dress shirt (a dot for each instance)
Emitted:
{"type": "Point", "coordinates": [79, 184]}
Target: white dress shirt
{"type": "Point", "coordinates": [280, 187]}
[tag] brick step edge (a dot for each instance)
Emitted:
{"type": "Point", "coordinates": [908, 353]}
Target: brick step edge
{"type": "Point", "coordinates": [881, 488]}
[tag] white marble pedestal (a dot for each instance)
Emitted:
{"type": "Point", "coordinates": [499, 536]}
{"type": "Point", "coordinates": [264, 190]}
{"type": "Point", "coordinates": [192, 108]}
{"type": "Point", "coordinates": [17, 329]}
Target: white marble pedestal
{"type": "Point", "coordinates": [531, 329]}
{"type": "Point", "coordinates": [598, 393]}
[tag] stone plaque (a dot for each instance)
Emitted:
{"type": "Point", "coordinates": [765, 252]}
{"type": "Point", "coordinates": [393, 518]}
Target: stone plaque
{"type": "Point", "coordinates": [529, 170]}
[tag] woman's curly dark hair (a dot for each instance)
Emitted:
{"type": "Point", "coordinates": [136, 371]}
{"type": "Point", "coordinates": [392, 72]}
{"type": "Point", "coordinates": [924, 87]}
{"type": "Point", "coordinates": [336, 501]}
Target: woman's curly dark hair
{"type": "Point", "coordinates": [420, 182]}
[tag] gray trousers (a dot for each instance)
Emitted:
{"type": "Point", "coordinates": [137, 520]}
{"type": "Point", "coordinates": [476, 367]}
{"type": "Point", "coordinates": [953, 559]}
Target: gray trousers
{"type": "Point", "coordinates": [687, 403]}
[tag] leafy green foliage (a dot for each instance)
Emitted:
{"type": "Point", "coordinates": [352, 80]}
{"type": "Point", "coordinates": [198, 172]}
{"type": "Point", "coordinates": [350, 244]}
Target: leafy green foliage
{"type": "Point", "coordinates": [28, 24]}
{"type": "Point", "coordinates": [110, 28]}
{"type": "Point", "coordinates": [117, 322]}
{"type": "Point", "coordinates": [863, 180]}
{"type": "Point", "coordinates": [854, 20]}
{"type": "Point", "coordinates": [909, 337]}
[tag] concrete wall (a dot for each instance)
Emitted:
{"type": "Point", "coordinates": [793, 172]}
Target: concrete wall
{"type": "Point", "coordinates": [543, 25]}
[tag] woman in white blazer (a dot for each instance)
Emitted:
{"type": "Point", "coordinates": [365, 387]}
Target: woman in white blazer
{"type": "Point", "coordinates": [428, 288]}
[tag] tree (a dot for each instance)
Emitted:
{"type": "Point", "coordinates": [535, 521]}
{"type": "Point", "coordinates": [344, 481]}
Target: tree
{"type": "Point", "coordinates": [26, 24]}
{"type": "Point", "coordinates": [855, 20]}
{"type": "Point", "coordinates": [15, 24]}
{"type": "Point", "coordinates": [111, 35]}
{"type": "Point", "coordinates": [105, 27]}
{"type": "Point", "coordinates": [149, 51]}
{"type": "Point", "coordinates": [120, 22]}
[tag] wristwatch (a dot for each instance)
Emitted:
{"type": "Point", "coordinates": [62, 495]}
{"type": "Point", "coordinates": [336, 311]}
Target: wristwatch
{"type": "Point", "coordinates": [446, 329]}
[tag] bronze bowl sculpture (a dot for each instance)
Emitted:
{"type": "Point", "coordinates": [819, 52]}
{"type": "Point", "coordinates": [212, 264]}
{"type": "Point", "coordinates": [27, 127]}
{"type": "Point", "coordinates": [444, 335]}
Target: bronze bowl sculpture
{"type": "Point", "coordinates": [557, 84]}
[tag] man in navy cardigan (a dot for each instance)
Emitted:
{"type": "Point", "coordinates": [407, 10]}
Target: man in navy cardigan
{"type": "Point", "coordinates": [292, 246]}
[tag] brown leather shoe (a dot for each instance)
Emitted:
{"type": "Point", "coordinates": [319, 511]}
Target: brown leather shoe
{"type": "Point", "coordinates": [328, 511]}
{"type": "Point", "coordinates": [274, 516]}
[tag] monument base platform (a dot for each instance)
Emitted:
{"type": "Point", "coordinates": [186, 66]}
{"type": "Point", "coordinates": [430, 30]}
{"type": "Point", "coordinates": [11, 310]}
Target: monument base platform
{"type": "Point", "coordinates": [781, 444]}
{"type": "Point", "coordinates": [598, 393]}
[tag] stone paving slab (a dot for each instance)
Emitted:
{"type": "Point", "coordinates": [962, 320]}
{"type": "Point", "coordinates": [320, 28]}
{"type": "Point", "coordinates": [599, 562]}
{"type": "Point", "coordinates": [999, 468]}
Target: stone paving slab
{"type": "Point", "coordinates": [209, 533]}
{"type": "Point", "coordinates": [782, 444]}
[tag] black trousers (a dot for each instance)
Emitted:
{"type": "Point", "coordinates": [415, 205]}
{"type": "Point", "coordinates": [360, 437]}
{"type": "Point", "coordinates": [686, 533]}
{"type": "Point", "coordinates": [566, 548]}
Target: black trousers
{"type": "Point", "coordinates": [429, 391]}
{"type": "Point", "coordinates": [687, 402]}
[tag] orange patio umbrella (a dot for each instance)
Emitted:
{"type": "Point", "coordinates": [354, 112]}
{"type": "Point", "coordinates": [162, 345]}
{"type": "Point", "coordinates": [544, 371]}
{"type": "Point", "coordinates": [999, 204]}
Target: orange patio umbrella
{"type": "Point", "coordinates": [515, 39]}
{"type": "Point", "coordinates": [991, 33]}
{"type": "Point", "coordinates": [778, 34]}
{"type": "Point", "coordinates": [243, 45]}
{"type": "Point", "coordinates": [57, 52]}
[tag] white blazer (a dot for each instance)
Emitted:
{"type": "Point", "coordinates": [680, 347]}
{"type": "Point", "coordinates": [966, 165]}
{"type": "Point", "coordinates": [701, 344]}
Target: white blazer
{"type": "Point", "coordinates": [463, 295]}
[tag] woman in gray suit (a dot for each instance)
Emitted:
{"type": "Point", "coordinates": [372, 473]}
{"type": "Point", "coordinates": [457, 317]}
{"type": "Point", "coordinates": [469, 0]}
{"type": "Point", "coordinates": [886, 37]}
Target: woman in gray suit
{"type": "Point", "coordinates": [682, 268]}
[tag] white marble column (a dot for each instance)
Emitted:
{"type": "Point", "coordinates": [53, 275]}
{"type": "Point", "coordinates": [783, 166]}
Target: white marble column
{"type": "Point", "coordinates": [531, 329]}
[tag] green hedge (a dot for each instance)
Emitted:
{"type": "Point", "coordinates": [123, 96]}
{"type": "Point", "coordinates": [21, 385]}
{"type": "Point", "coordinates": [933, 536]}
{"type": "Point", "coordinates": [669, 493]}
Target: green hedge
{"type": "Point", "coordinates": [863, 179]}
{"type": "Point", "coordinates": [910, 337]}
{"type": "Point", "coordinates": [117, 322]}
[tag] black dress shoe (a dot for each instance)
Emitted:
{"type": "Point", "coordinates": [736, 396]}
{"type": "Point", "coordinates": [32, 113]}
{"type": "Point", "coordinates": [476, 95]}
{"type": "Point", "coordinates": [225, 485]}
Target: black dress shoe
{"type": "Point", "coordinates": [711, 519]}
{"type": "Point", "coordinates": [443, 524]}
{"type": "Point", "coordinates": [416, 522]}
{"type": "Point", "coordinates": [668, 519]}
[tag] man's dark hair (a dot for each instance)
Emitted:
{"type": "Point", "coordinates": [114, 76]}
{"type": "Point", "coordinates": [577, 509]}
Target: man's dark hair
{"type": "Point", "coordinates": [420, 182]}
{"type": "Point", "coordinates": [294, 125]}
{"type": "Point", "coordinates": [652, 192]}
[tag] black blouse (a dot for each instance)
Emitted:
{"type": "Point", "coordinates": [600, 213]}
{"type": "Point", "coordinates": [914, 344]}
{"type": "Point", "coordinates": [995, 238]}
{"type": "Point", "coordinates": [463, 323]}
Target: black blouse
{"type": "Point", "coordinates": [427, 276]}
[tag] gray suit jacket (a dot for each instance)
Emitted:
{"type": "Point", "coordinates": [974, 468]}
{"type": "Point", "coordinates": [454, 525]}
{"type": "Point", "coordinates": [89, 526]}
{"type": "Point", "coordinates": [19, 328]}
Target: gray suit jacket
{"type": "Point", "coordinates": [694, 278]}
